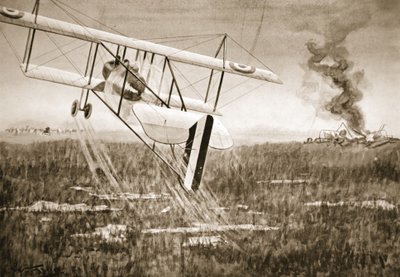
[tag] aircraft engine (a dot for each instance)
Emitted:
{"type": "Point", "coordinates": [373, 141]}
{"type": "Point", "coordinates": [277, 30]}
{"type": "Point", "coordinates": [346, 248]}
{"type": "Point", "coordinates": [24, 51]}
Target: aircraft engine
{"type": "Point", "coordinates": [114, 74]}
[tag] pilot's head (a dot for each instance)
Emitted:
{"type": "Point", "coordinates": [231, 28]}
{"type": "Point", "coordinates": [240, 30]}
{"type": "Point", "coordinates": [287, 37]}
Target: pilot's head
{"type": "Point", "coordinates": [134, 67]}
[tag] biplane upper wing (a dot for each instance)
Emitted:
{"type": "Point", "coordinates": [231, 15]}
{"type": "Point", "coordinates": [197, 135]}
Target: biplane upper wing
{"type": "Point", "coordinates": [29, 20]}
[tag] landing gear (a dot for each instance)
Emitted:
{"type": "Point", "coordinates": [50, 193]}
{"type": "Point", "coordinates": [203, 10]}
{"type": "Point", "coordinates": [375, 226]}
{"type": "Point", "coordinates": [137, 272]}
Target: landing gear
{"type": "Point", "coordinates": [87, 109]}
{"type": "Point", "coordinates": [75, 108]}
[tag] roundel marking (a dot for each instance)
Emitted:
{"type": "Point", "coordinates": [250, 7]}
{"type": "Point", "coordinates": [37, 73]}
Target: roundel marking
{"type": "Point", "coordinates": [11, 12]}
{"type": "Point", "coordinates": [242, 67]}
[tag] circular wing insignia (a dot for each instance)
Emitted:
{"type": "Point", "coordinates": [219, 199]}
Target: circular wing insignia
{"type": "Point", "coordinates": [11, 12]}
{"type": "Point", "coordinates": [242, 67]}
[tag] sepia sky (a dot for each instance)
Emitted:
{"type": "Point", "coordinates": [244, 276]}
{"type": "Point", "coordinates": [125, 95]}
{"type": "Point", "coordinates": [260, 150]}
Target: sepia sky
{"type": "Point", "coordinates": [276, 32]}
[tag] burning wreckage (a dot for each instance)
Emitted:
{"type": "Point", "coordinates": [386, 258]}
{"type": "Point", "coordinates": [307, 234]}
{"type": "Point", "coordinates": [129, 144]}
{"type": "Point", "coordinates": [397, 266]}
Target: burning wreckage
{"type": "Point", "coordinates": [345, 136]}
{"type": "Point", "coordinates": [330, 62]}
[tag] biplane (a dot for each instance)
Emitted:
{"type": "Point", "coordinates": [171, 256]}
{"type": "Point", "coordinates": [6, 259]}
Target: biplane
{"type": "Point", "coordinates": [166, 116]}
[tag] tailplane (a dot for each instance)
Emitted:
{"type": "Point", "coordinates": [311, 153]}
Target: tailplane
{"type": "Point", "coordinates": [196, 151]}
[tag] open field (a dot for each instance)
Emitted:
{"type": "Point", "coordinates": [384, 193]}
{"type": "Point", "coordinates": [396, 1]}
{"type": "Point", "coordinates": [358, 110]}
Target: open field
{"type": "Point", "coordinates": [342, 220]}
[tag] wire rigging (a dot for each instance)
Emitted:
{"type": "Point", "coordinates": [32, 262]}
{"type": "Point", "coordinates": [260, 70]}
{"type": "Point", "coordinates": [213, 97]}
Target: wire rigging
{"type": "Point", "coordinates": [201, 79]}
{"type": "Point", "coordinates": [63, 53]}
{"type": "Point", "coordinates": [185, 36]}
{"type": "Point", "coordinates": [241, 29]}
{"type": "Point", "coordinates": [231, 88]}
{"type": "Point", "coordinates": [73, 17]}
{"type": "Point", "coordinates": [57, 57]}
{"type": "Point", "coordinates": [121, 33]}
{"type": "Point", "coordinates": [248, 52]}
{"type": "Point", "coordinates": [186, 79]}
{"type": "Point", "coordinates": [86, 15]}
{"type": "Point", "coordinates": [242, 95]}
{"type": "Point", "coordinates": [13, 49]}
{"type": "Point", "coordinates": [194, 45]}
{"type": "Point", "coordinates": [254, 45]}
{"type": "Point", "coordinates": [54, 50]}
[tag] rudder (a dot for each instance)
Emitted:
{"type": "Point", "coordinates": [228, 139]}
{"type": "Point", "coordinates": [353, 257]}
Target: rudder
{"type": "Point", "coordinates": [196, 151]}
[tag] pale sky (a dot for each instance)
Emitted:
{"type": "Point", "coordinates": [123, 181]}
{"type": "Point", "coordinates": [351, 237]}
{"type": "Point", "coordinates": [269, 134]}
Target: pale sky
{"type": "Point", "coordinates": [270, 112]}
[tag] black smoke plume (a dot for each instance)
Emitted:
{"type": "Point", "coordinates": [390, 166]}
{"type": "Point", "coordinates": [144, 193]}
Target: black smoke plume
{"type": "Point", "coordinates": [338, 72]}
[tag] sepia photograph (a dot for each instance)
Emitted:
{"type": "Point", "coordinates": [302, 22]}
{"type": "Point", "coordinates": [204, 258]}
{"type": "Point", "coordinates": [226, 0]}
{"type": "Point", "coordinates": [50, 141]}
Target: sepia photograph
{"type": "Point", "coordinates": [199, 138]}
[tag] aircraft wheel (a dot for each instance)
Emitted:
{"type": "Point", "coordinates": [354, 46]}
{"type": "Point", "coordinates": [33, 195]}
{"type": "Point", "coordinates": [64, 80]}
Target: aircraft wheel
{"type": "Point", "coordinates": [74, 108]}
{"type": "Point", "coordinates": [87, 110]}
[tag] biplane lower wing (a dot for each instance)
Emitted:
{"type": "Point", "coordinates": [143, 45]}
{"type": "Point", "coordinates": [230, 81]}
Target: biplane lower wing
{"type": "Point", "coordinates": [171, 126]}
{"type": "Point", "coordinates": [175, 101]}
{"type": "Point", "coordinates": [62, 77]}
{"type": "Point", "coordinates": [68, 78]}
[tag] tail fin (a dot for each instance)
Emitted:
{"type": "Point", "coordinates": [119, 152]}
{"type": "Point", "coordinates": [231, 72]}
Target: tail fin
{"type": "Point", "coordinates": [196, 151]}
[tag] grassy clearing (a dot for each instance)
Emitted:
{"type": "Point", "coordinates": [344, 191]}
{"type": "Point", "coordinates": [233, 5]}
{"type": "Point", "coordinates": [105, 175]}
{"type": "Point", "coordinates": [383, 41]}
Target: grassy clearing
{"type": "Point", "coordinates": [311, 240]}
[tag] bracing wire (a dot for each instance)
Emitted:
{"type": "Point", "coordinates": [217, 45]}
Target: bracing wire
{"type": "Point", "coordinates": [55, 58]}
{"type": "Point", "coordinates": [242, 27]}
{"type": "Point", "coordinates": [119, 32]}
{"type": "Point", "coordinates": [194, 45]}
{"type": "Point", "coordinates": [190, 84]}
{"type": "Point", "coordinates": [231, 88]}
{"type": "Point", "coordinates": [86, 15]}
{"type": "Point", "coordinates": [199, 80]}
{"type": "Point", "coordinates": [54, 50]}
{"type": "Point", "coordinates": [253, 47]}
{"type": "Point", "coordinates": [248, 52]}
{"type": "Point", "coordinates": [168, 40]}
{"type": "Point", "coordinates": [242, 95]}
{"type": "Point", "coordinates": [185, 36]}
{"type": "Point", "coordinates": [13, 49]}
{"type": "Point", "coordinates": [63, 53]}
{"type": "Point", "coordinates": [68, 13]}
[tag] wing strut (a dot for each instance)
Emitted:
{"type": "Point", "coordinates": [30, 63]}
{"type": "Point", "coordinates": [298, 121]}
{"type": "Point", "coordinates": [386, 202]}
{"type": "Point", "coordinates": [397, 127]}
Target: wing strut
{"type": "Point", "coordinates": [122, 91]}
{"type": "Point", "coordinates": [219, 91]}
{"type": "Point", "coordinates": [124, 53]}
{"type": "Point", "coordinates": [31, 37]}
{"type": "Point", "coordinates": [162, 75]}
{"type": "Point", "coordinates": [222, 44]}
{"type": "Point", "coordinates": [93, 63]}
{"type": "Point", "coordinates": [174, 82]}
{"type": "Point", "coordinates": [86, 71]}
{"type": "Point", "coordinates": [151, 63]}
